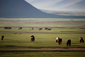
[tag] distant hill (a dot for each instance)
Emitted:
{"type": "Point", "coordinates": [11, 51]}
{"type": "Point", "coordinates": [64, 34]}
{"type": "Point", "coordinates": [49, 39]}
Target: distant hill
{"type": "Point", "coordinates": [22, 9]}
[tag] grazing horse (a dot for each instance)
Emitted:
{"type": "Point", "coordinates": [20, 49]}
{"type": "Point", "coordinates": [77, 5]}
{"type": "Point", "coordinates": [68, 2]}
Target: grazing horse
{"type": "Point", "coordinates": [59, 40]}
{"type": "Point", "coordinates": [2, 37]}
{"type": "Point", "coordinates": [7, 27]}
{"type": "Point", "coordinates": [68, 42]}
{"type": "Point", "coordinates": [32, 38]}
{"type": "Point", "coordinates": [81, 40]}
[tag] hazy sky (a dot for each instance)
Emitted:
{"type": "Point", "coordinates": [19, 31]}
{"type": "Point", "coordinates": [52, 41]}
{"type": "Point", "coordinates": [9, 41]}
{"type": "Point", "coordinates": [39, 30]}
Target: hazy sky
{"type": "Point", "coordinates": [59, 5]}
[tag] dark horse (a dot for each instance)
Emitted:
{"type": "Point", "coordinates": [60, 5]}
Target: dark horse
{"type": "Point", "coordinates": [2, 37]}
{"type": "Point", "coordinates": [68, 42]}
{"type": "Point", "coordinates": [59, 40]}
{"type": "Point", "coordinates": [32, 38]}
{"type": "Point", "coordinates": [81, 40]}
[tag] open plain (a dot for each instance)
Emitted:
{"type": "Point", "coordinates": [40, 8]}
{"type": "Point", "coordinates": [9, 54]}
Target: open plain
{"type": "Point", "coordinates": [17, 42]}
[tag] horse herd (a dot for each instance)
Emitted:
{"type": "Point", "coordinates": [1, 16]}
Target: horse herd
{"type": "Point", "coordinates": [58, 40]}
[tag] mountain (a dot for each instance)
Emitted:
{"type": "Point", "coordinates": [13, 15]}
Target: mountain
{"type": "Point", "coordinates": [22, 9]}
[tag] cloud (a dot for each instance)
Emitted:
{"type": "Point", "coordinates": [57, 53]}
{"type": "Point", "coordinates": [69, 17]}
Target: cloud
{"type": "Point", "coordinates": [44, 4]}
{"type": "Point", "coordinates": [68, 5]}
{"type": "Point", "coordinates": [29, 1]}
{"type": "Point", "coordinates": [55, 4]}
{"type": "Point", "coordinates": [69, 2]}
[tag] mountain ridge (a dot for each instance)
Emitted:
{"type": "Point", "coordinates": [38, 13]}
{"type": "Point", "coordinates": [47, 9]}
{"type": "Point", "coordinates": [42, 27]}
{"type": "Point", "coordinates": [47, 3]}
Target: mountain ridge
{"type": "Point", "coordinates": [22, 9]}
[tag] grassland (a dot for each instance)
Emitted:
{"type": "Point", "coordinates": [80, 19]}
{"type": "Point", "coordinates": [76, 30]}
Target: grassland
{"type": "Point", "coordinates": [43, 22]}
{"type": "Point", "coordinates": [17, 42]}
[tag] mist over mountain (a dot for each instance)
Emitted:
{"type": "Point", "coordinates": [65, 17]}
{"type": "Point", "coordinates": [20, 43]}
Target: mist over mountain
{"type": "Point", "coordinates": [65, 13]}
{"type": "Point", "coordinates": [22, 9]}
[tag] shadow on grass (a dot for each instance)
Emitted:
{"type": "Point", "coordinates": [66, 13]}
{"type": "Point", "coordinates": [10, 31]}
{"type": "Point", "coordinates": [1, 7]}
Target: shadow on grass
{"type": "Point", "coordinates": [42, 50]}
{"type": "Point", "coordinates": [10, 46]}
